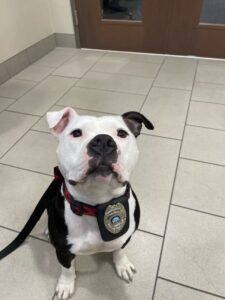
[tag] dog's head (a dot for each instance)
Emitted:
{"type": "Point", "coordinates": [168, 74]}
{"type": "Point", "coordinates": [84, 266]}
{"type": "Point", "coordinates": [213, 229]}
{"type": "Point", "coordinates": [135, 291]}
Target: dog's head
{"type": "Point", "coordinates": [96, 148]}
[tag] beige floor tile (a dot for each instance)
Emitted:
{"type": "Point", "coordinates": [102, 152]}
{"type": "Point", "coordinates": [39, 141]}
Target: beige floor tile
{"type": "Point", "coordinates": [35, 151]}
{"type": "Point", "coordinates": [204, 144]}
{"type": "Point", "coordinates": [56, 57]}
{"type": "Point", "coordinates": [96, 278]}
{"type": "Point", "coordinates": [78, 65]}
{"type": "Point", "coordinates": [20, 192]}
{"type": "Point", "coordinates": [43, 96]}
{"type": "Point", "coordinates": [212, 73]}
{"type": "Point", "coordinates": [220, 62]}
{"type": "Point", "coordinates": [167, 110]}
{"type": "Point", "coordinates": [152, 180]}
{"type": "Point", "coordinates": [28, 273]}
{"type": "Point", "coordinates": [169, 291]}
{"type": "Point", "coordinates": [5, 102]}
{"type": "Point", "coordinates": [125, 66]}
{"type": "Point", "coordinates": [106, 101]}
{"type": "Point", "coordinates": [15, 88]}
{"type": "Point", "coordinates": [12, 127]}
{"type": "Point", "coordinates": [181, 59]}
{"type": "Point", "coordinates": [177, 73]}
{"type": "Point", "coordinates": [207, 92]}
{"type": "Point", "coordinates": [67, 50]}
{"type": "Point", "coordinates": [207, 115]}
{"type": "Point", "coordinates": [200, 186]}
{"type": "Point", "coordinates": [115, 82]}
{"type": "Point", "coordinates": [139, 57]}
{"type": "Point", "coordinates": [193, 251]}
{"type": "Point", "coordinates": [43, 126]}
{"type": "Point", "coordinates": [34, 73]}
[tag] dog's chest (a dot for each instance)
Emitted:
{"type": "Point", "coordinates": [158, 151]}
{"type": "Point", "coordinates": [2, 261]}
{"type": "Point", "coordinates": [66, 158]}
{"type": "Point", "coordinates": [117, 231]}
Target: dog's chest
{"type": "Point", "coordinates": [84, 236]}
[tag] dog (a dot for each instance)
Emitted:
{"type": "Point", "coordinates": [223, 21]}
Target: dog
{"type": "Point", "coordinates": [90, 204]}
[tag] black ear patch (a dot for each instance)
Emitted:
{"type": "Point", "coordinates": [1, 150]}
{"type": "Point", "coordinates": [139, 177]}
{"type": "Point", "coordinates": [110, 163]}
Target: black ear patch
{"type": "Point", "coordinates": [134, 122]}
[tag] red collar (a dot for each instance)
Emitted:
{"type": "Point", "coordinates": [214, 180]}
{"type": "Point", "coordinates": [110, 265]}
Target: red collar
{"type": "Point", "coordinates": [79, 208]}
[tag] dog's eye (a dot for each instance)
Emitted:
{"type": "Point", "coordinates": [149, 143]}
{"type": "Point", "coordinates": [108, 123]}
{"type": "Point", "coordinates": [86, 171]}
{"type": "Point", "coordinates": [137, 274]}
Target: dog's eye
{"type": "Point", "coordinates": [122, 133]}
{"type": "Point", "coordinates": [76, 133]}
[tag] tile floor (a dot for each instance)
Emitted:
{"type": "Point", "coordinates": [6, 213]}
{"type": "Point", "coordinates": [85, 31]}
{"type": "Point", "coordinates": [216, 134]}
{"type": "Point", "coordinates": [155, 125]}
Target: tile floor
{"type": "Point", "coordinates": [179, 249]}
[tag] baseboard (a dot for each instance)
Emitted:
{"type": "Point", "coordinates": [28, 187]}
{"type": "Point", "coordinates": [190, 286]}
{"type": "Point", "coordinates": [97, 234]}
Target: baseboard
{"type": "Point", "coordinates": [23, 59]}
{"type": "Point", "coordinates": [65, 40]}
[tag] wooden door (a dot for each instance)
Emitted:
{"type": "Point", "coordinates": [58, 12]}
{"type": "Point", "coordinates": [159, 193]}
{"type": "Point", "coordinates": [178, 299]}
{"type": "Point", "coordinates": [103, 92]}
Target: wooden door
{"type": "Point", "coordinates": [184, 27]}
{"type": "Point", "coordinates": [197, 27]}
{"type": "Point", "coordinates": [147, 34]}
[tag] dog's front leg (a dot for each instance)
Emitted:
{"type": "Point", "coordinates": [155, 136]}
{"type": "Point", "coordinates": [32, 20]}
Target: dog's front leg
{"type": "Point", "coordinates": [66, 281]}
{"type": "Point", "coordinates": [124, 268]}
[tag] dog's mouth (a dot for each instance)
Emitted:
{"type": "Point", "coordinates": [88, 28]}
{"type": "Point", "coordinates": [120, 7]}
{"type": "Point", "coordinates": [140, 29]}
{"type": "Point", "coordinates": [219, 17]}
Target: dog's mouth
{"type": "Point", "coordinates": [100, 170]}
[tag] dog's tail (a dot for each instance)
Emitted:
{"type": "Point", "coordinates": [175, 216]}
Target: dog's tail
{"type": "Point", "coordinates": [34, 218]}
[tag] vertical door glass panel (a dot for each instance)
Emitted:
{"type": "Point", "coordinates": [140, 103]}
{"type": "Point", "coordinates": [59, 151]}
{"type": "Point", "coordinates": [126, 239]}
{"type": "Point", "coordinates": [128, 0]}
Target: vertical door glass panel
{"type": "Point", "coordinates": [122, 9]}
{"type": "Point", "coordinates": [213, 11]}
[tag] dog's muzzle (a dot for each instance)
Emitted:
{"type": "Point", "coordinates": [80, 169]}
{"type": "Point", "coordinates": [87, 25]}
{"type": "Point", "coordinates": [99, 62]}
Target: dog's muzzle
{"type": "Point", "coordinates": [103, 152]}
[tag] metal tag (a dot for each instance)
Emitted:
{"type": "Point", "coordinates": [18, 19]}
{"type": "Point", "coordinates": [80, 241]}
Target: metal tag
{"type": "Point", "coordinates": [115, 218]}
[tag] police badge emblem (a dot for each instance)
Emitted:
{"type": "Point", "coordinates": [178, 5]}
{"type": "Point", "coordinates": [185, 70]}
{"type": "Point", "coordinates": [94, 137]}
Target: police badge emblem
{"type": "Point", "coordinates": [113, 217]}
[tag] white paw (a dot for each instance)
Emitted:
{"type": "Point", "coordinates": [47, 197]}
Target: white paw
{"type": "Point", "coordinates": [125, 269]}
{"type": "Point", "coordinates": [65, 290]}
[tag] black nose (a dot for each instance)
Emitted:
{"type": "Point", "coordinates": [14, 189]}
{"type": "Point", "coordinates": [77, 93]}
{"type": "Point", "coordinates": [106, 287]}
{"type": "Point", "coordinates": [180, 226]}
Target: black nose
{"type": "Point", "coordinates": [102, 144]}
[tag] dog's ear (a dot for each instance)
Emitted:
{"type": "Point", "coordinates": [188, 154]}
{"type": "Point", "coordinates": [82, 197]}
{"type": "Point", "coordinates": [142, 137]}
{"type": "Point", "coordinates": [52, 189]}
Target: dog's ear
{"type": "Point", "coordinates": [134, 122]}
{"type": "Point", "coordinates": [58, 120]}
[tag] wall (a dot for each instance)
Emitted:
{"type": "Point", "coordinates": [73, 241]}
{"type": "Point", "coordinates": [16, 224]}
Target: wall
{"type": "Point", "coordinates": [25, 22]}
{"type": "Point", "coordinates": [62, 16]}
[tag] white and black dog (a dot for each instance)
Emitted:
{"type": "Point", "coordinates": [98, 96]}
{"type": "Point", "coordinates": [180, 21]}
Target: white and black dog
{"type": "Point", "coordinates": [91, 206]}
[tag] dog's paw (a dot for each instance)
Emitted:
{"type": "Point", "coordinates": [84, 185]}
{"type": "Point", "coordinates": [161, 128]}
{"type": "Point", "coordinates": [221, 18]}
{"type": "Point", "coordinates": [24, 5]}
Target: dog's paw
{"type": "Point", "coordinates": [64, 290]}
{"type": "Point", "coordinates": [125, 269]}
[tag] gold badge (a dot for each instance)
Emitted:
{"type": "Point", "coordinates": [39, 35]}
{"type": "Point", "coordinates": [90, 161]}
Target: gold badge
{"type": "Point", "coordinates": [115, 218]}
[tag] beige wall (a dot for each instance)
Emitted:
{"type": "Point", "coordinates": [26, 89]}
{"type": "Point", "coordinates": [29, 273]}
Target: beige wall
{"type": "Point", "coordinates": [62, 16]}
{"type": "Point", "coordinates": [25, 22]}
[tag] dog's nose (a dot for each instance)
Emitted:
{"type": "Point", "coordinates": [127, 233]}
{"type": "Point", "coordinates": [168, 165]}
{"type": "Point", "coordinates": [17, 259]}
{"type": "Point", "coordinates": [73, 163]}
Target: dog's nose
{"type": "Point", "coordinates": [102, 144]}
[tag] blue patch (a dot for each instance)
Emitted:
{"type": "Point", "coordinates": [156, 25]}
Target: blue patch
{"type": "Point", "coordinates": [115, 219]}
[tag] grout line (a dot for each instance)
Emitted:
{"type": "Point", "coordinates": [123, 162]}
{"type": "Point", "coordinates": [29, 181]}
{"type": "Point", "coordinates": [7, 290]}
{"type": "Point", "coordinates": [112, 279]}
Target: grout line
{"type": "Point", "coordinates": [151, 233]}
{"type": "Point", "coordinates": [53, 297]}
{"type": "Point", "coordinates": [30, 235]}
{"type": "Point", "coordinates": [111, 91]}
{"type": "Point", "coordinates": [212, 83]}
{"type": "Point", "coordinates": [173, 88]}
{"type": "Point", "coordinates": [201, 161]}
{"type": "Point", "coordinates": [21, 79]}
{"type": "Point", "coordinates": [41, 131]}
{"type": "Point", "coordinates": [91, 110]}
{"type": "Point", "coordinates": [173, 186]}
{"type": "Point", "coordinates": [20, 138]}
{"type": "Point", "coordinates": [153, 82]}
{"type": "Point", "coordinates": [197, 210]}
{"type": "Point", "coordinates": [191, 287]}
{"type": "Point", "coordinates": [24, 169]}
{"type": "Point", "coordinates": [89, 69]}
{"type": "Point", "coordinates": [126, 74]}
{"type": "Point", "coordinates": [78, 79]}
{"type": "Point", "coordinates": [22, 113]}
{"type": "Point", "coordinates": [199, 101]}
{"type": "Point", "coordinates": [204, 127]}
{"type": "Point", "coordinates": [5, 109]}
{"type": "Point", "coordinates": [160, 136]}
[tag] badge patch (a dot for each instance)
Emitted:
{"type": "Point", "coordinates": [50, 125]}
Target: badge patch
{"type": "Point", "coordinates": [115, 218]}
